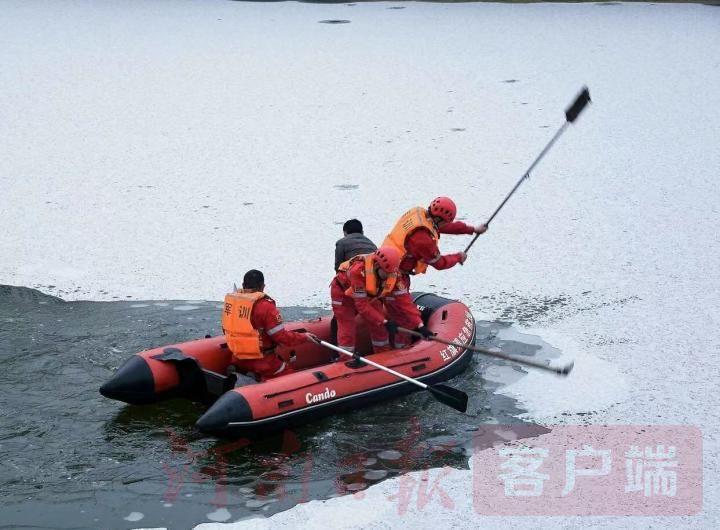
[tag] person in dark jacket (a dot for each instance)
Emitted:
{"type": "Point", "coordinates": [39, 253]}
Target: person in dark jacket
{"type": "Point", "coordinates": [353, 243]}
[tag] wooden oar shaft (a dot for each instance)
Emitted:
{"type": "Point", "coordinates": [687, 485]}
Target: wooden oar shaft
{"type": "Point", "coordinates": [492, 353]}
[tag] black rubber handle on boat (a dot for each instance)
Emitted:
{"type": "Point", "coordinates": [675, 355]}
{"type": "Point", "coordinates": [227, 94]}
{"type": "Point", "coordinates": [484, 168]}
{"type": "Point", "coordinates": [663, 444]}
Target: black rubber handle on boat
{"type": "Point", "coordinates": [571, 114]}
{"type": "Point", "coordinates": [560, 370]}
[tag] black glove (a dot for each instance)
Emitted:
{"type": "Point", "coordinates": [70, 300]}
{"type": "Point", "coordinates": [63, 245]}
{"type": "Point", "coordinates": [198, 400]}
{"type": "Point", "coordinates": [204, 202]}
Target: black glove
{"type": "Point", "coordinates": [425, 332]}
{"type": "Point", "coordinates": [391, 326]}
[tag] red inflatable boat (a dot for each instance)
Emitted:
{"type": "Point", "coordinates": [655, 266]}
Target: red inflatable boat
{"type": "Point", "coordinates": [320, 386]}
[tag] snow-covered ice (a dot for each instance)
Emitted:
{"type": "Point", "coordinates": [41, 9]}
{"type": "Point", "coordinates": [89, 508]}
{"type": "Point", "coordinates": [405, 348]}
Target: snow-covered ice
{"type": "Point", "coordinates": [134, 517]}
{"type": "Point", "coordinates": [159, 150]}
{"type": "Point", "coordinates": [221, 514]}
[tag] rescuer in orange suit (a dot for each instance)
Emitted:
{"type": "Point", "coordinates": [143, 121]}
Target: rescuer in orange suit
{"type": "Point", "coordinates": [415, 235]}
{"type": "Point", "coordinates": [254, 327]}
{"type": "Point", "coordinates": [362, 285]}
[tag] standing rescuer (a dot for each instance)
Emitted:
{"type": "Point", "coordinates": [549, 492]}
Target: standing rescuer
{"type": "Point", "coordinates": [415, 236]}
{"type": "Point", "coordinates": [253, 328]}
{"type": "Point", "coordinates": [362, 285]}
{"type": "Point", "coordinates": [353, 243]}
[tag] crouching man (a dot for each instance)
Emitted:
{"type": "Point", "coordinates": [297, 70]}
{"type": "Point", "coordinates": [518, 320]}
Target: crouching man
{"type": "Point", "coordinates": [365, 285]}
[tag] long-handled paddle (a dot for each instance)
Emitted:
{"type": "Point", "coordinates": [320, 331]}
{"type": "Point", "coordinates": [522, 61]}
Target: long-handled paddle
{"type": "Point", "coordinates": [560, 370]}
{"type": "Point", "coordinates": [443, 393]}
{"type": "Point", "coordinates": [571, 114]}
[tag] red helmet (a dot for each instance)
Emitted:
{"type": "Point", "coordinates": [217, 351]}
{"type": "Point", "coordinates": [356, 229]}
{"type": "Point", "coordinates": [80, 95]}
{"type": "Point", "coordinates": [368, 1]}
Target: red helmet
{"type": "Point", "coordinates": [388, 258]}
{"type": "Point", "coordinates": [444, 208]}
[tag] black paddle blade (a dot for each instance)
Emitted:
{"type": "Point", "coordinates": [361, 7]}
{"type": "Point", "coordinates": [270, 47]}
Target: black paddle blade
{"type": "Point", "coordinates": [449, 396]}
{"type": "Point", "coordinates": [574, 110]}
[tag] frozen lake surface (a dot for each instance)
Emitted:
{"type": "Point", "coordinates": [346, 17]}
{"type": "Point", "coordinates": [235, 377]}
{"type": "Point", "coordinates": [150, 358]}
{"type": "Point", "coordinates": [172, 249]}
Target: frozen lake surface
{"type": "Point", "coordinates": [156, 151]}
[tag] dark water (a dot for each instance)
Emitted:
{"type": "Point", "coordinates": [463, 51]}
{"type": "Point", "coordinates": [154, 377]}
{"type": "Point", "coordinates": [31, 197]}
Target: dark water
{"type": "Point", "coordinates": [73, 459]}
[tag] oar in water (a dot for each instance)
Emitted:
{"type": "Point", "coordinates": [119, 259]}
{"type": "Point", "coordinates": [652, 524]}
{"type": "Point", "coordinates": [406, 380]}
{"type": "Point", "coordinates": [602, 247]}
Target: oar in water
{"type": "Point", "coordinates": [444, 394]}
{"type": "Point", "coordinates": [571, 114]}
{"type": "Point", "coordinates": [560, 370]}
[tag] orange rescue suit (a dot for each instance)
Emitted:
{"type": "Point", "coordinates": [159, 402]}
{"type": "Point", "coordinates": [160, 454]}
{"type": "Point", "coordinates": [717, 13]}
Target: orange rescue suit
{"type": "Point", "coordinates": [371, 277]}
{"type": "Point", "coordinates": [408, 223]}
{"type": "Point", "coordinates": [243, 339]}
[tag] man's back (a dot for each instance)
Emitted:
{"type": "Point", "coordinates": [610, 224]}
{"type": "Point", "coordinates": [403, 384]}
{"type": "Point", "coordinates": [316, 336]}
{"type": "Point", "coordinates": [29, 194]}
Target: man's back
{"type": "Point", "coordinates": [350, 246]}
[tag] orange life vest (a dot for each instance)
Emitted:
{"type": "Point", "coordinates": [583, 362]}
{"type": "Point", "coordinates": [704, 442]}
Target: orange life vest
{"type": "Point", "coordinates": [242, 339]}
{"type": "Point", "coordinates": [371, 277]}
{"type": "Point", "coordinates": [410, 221]}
